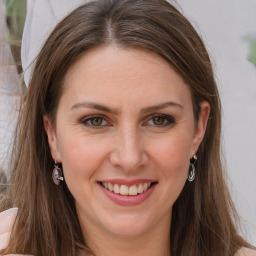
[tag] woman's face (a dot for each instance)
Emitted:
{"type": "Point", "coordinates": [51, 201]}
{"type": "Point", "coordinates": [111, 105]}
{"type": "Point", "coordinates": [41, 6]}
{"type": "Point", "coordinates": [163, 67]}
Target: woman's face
{"type": "Point", "coordinates": [125, 123]}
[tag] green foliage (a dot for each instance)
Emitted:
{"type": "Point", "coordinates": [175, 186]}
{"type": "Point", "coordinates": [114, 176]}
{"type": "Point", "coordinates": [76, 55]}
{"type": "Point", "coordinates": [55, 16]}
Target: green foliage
{"type": "Point", "coordinates": [252, 52]}
{"type": "Point", "coordinates": [14, 20]}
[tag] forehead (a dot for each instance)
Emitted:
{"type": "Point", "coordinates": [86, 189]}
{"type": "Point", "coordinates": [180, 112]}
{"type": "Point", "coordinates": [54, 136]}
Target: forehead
{"type": "Point", "coordinates": [119, 75]}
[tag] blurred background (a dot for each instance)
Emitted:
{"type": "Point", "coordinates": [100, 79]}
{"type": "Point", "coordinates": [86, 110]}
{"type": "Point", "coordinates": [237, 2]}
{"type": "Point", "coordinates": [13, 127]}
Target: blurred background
{"type": "Point", "coordinates": [228, 28]}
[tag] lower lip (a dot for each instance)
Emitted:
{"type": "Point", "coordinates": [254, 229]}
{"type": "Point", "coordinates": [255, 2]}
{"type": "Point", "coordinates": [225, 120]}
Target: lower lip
{"type": "Point", "coordinates": [128, 200]}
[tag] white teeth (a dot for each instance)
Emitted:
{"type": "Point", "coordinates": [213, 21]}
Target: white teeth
{"type": "Point", "coordinates": [145, 186]}
{"type": "Point", "coordinates": [140, 189]}
{"type": "Point", "coordinates": [116, 189]}
{"type": "Point", "coordinates": [133, 191]}
{"type": "Point", "coordinates": [124, 190]}
{"type": "Point", "coordinates": [110, 187]}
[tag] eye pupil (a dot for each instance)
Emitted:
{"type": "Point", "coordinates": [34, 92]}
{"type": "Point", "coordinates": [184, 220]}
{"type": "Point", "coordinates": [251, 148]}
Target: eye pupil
{"type": "Point", "coordinates": [96, 121]}
{"type": "Point", "coordinates": [158, 120]}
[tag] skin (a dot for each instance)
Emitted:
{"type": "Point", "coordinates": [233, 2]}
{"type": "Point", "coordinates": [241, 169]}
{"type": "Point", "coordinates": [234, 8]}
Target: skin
{"type": "Point", "coordinates": [130, 143]}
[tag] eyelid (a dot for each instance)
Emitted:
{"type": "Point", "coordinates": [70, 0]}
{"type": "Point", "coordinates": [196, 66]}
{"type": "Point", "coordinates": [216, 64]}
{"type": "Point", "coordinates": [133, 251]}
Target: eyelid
{"type": "Point", "coordinates": [86, 119]}
{"type": "Point", "coordinates": [170, 120]}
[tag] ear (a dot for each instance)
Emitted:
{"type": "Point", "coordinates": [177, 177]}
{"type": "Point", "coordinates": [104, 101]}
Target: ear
{"type": "Point", "coordinates": [201, 126]}
{"type": "Point", "coordinates": [52, 139]}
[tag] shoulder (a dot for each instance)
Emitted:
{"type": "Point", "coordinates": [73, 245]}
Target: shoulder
{"type": "Point", "coordinates": [6, 222]}
{"type": "Point", "coordinates": [246, 252]}
{"type": "Point", "coordinates": [7, 219]}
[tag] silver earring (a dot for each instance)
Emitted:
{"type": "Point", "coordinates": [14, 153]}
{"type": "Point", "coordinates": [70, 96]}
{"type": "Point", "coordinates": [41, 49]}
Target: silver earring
{"type": "Point", "coordinates": [192, 169]}
{"type": "Point", "coordinates": [57, 174]}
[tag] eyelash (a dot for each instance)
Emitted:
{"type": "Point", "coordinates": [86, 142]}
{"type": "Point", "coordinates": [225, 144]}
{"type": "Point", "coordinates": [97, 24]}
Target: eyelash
{"type": "Point", "coordinates": [168, 120]}
{"type": "Point", "coordinates": [85, 121]}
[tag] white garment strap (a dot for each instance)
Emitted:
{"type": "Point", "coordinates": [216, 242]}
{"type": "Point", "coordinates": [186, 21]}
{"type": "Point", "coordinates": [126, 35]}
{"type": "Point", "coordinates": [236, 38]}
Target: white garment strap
{"type": "Point", "coordinates": [42, 16]}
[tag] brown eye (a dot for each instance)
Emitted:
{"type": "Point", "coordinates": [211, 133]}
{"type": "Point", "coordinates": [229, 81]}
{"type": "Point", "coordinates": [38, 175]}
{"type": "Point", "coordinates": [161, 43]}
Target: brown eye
{"type": "Point", "coordinates": [96, 121]}
{"type": "Point", "coordinates": [159, 120]}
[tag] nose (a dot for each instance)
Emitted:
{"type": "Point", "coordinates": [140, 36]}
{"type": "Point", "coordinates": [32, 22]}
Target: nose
{"type": "Point", "coordinates": [128, 152]}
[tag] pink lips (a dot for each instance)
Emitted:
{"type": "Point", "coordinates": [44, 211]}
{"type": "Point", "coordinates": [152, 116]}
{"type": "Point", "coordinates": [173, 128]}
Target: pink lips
{"type": "Point", "coordinates": [128, 200]}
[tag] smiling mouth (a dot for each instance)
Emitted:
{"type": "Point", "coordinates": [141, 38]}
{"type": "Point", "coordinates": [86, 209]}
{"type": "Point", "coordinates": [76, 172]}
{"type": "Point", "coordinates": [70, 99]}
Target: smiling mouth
{"type": "Point", "coordinates": [125, 190]}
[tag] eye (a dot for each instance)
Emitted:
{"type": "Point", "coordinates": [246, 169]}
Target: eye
{"type": "Point", "coordinates": [95, 121]}
{"type": "Point", "coordinates": [161, 120]}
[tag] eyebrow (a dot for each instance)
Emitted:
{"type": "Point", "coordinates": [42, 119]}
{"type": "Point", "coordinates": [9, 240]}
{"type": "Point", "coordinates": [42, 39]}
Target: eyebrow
{"type": "Point", "coordinates": [92, 105]}
{"type": "Point", "coordinates": [162, 106]}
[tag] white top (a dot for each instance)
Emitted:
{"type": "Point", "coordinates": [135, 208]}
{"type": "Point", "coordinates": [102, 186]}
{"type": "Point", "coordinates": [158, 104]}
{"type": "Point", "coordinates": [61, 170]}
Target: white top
{"type": "Point", "coordinates": [6, 222]}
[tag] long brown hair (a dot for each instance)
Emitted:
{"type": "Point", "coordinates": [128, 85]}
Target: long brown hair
{"type": "Point", "coordinates": [46, 223]}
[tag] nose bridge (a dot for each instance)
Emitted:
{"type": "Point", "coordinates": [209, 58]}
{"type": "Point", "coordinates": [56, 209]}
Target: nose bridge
{"type": "Point", "coordinates": [129, 151]}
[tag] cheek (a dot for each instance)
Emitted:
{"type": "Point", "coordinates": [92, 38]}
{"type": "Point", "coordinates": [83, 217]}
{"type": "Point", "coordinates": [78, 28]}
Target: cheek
{"type": "Point", "coordinates": [81, 157]}
{"type": "Point", "coordinates": [171, 159]}
{"type": "Point", "coordinates": [172, 155]}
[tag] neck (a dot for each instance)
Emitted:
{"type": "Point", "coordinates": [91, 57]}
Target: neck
{"type": "Point", "coordinates": [151, 243]}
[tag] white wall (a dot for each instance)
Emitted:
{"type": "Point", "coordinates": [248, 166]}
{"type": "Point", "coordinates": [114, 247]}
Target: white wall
{"type": "Point", "coordinates": [224, 26]}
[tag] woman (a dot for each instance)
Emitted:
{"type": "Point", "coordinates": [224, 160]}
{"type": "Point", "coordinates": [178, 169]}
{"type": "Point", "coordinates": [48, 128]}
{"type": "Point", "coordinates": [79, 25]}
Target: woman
{"type": "Point", "coordinates": [118, 149]}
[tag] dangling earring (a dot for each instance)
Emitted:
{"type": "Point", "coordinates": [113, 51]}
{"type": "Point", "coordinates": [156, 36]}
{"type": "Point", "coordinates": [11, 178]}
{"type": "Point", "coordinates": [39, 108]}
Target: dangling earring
{"type": "Point", "coordinates": [57, 174]}
{"type": "Point", "coordinates": [192, 169]}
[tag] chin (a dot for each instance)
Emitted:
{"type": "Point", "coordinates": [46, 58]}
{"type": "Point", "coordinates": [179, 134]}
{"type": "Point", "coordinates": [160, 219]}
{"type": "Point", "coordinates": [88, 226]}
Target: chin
{"type": "Point", "coordinates": [127, 231]}
{"type": "Point", "coordinates": [128, 226]}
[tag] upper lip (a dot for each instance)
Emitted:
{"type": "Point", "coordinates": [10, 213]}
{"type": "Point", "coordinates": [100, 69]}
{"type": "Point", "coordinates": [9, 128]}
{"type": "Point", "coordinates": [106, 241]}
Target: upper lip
{"type": "Point", "coordinates": [127, 182]}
